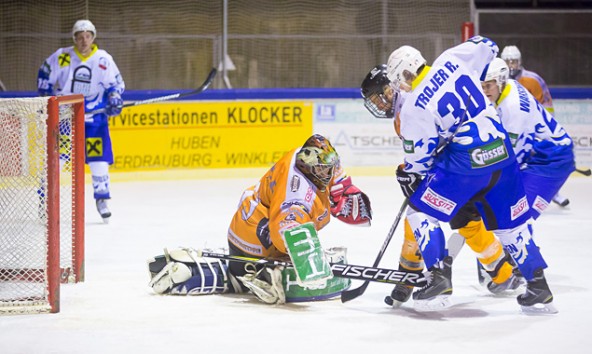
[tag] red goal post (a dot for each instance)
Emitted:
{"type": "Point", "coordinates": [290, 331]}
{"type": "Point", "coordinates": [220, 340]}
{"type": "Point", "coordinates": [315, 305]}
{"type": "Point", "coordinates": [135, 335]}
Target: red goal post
{"type": "Point", "coordinates": [41, 201]}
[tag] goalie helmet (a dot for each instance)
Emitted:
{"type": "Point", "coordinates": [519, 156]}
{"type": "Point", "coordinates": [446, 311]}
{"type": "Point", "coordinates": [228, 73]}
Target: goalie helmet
{"type": "Point", "coordinates": [511, 54]}
{"type": "Point", "coordinates": [379, 98]}
{"type": "Point", "coordinates": [83, 26]}
{"type": "Point", "coordinates": [317, 160]}
{"type": "Point", "coordinates": [403, 65]}
{"type": "Point", "coordinates": [498, 71]}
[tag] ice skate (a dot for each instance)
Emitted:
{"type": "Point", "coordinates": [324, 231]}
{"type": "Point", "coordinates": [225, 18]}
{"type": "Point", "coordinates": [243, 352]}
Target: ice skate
{"type": "Point", "coordinates": [512, 283]}
{"type": "Point", "coordinates": [103, 210]}
{"type": "Point", "coordinates": [399, 295]}
{"type": "Point", "coordinates": [537, 299]}
{"type": "Point", "coordinates": [561, 200]}
{"type": "Point", "coordinates": [435, 296]}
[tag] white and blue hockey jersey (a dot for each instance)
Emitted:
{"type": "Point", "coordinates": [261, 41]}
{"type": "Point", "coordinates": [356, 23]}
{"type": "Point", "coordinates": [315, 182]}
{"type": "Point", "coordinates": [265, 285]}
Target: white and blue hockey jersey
{"type": "Point", "coordinates": [67, 72]}
{"type": "Point", "coordinates": [539, 141]}
{"type": "Point", "coordinates": [447, 97]}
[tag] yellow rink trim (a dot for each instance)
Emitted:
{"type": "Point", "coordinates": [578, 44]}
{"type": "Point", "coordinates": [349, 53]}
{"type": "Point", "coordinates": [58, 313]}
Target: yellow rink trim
{"type": "Point", "coordinates": [188, 174]}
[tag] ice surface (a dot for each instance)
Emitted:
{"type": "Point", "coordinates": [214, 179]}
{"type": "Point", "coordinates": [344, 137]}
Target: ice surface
{"type": "Point", "coordinates": [114, 311]}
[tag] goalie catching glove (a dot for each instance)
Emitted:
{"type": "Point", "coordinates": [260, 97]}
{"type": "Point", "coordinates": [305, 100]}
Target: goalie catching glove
{"type": "Point", "coordinates": [409, 181]}
{"type": "Point", "coordinates": [349, 204]}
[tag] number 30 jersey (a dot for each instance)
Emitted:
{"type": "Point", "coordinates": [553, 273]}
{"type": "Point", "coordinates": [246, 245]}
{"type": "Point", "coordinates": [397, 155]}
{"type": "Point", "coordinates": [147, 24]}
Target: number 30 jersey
{"type": "Point", "coordinates": [448, 106]}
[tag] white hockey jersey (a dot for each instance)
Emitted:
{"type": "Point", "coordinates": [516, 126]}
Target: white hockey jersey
{"type": "Point", "coordinates": [67, 72]}
{"type": "Point", "coordinates": [447, 97]}
{"type": "Point", "coordinates": [538, 139]}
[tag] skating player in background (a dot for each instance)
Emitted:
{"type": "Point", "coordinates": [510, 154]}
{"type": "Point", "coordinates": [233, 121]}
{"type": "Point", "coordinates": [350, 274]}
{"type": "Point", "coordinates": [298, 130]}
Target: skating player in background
{"type": "Point", "coordinates": [543, 148]}
{"type": "Point", "coordinates": [535, 84]}
{"type": "Point", "coordinates": [85, 69]}
{"type": "Point", "coordinates": [380, 100]}
{"type": "Point", "coordinates": [476, 163]}
{"type": "Point", "coordinates": [305, 187]}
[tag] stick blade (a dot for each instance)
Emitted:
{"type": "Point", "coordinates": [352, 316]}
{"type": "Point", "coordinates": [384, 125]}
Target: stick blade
{"type": "Point", "coordinates": [348, 295]}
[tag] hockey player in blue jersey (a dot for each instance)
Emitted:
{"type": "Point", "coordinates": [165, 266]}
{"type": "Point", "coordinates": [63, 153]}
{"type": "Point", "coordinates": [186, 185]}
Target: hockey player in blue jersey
{"type": "Point", "coordinates": [85, 69]}
{"type": "Point", "coordinates": [476, 164]}
{"type": "Point", "coordinates": [543, 148]}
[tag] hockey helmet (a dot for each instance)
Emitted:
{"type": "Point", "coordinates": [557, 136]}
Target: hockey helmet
{"type": "Point", "coordinates": [498, 71]}
{"type": "Point", "coordinates": [83, 26]}
{"type": "Point", "coordinates": [317, 160]}
{"type": "Point", "coordinates": [379, 97]}
{"type": "Point", "coordinates": [403, 66]}
{"type": "Point", "coordinates": [511, 54]}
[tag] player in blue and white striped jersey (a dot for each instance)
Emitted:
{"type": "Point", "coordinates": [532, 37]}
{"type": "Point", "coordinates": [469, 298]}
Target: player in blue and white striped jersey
{"type": "Point", "coordinates": [543, 148]}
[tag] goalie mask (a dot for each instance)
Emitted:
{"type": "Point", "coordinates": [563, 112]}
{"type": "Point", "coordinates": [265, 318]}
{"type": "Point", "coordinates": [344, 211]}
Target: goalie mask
{"type": "Point", "coordinates": [403, 66]}
{"type": "Point", "coordinates": [379, 97]}
{"type": "Point", "coordinates": [83, 26]}
{"type": "Point", "coordinates": [498, 71]}
{"type": "Point", "coordinates": [317, 160]}
{"type": "Point", "coordinates": [511, 54]}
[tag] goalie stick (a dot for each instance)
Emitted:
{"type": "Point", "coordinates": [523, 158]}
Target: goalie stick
{"type": "Point", "coordinates": [198, 90]}
{"type": "Point", "coordinates": [381, 275]}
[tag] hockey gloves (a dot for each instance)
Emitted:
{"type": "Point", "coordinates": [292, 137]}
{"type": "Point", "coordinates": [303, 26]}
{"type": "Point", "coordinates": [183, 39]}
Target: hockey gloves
{"type": "Point", "coordinates": [349, 204]}
{"type": "Point", "coordinates": [409, 181]}
{"type": "Point", "coordinates": [114, 104]}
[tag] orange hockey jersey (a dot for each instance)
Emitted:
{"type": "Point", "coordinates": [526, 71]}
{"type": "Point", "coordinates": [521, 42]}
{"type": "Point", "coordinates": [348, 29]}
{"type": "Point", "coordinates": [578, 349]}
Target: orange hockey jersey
{"type": "Point", "coordinates": [284, 198]}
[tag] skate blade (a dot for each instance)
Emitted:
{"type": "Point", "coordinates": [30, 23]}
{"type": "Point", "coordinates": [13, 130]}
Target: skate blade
{"type": "Point", "coordinates": [438, 303]}
{"type": "Point", "coordinates": [105, 220]}
{"type": "Point", "coordinates": [539, 309]}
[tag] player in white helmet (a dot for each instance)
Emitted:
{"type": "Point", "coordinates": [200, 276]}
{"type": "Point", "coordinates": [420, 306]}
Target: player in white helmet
{"type": "Point", "coordinates": [85, 69]}
{"type": "Point", "coordinates": [384, 102]}
{"type": "Point", "coordinates": [535, 84]}
{"type": "Point", "coordinates": [543, 148]}
{"type": "Point", "coordinates": [458, 152]}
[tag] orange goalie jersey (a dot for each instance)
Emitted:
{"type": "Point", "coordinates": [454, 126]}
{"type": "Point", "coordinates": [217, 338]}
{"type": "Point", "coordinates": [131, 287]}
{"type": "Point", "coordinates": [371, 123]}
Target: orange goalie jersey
{"type": "Point", "coordinates": [283, 198]}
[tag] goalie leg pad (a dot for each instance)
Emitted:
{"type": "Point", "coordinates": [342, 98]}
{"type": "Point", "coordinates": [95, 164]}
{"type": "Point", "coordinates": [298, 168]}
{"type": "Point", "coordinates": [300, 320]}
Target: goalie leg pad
{"type": "Point", "coordinates": [185, 273]}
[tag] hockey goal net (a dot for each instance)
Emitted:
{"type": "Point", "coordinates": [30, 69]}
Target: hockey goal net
{"type": "Point", "coordinates": [41, 200]}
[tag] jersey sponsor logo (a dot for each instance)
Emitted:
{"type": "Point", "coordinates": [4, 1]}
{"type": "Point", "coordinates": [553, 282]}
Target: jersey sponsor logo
{"type": "Point", "coordinates": [103, 63]}
{"type": "Point", "coordinates": [94, 147]}
{"type": "Point", "coordinates": [243, 245]}
{"type": "Point", "coordinates": [408, 146]}
{"type": "Point", "coordinates": [489, 154]}
{"type": "Point", "coordinates": [295, 183]}
{"type": "Point", "coordinates": [64, 60]}
{"type": "Point", "coordinates": [323, 216]}
{"type": "Point", "coordinates": [540, 204]}
{"type": "Point", "coordinates": [438, 202]}
{"type": "Point", "coordinates": [519, 208]}
{"type": "Point", "coordinates": [81, 80]}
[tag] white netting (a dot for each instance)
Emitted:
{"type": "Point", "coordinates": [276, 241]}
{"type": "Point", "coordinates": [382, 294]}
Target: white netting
{"type": "Point", "coordinates": [24, 203]}
{"type": "Point", "coordinates": [165, 44]}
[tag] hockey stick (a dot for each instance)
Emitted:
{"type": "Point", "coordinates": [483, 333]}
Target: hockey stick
{"type": "Point", "coordinates": [381, 275]}
{"type": "Point", "coordinates": [351, 294]}
{"type": "Point", "coordinates": [586, 172]}
{"type": "Point", "coordinates": [198, 90]}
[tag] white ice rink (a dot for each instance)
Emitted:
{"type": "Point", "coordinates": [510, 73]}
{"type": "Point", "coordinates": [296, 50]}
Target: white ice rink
{"type": "Point", "coordinates": [114, 311]}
